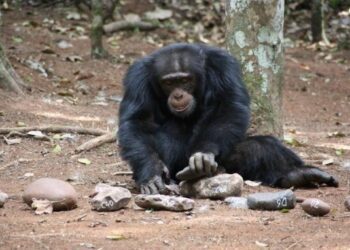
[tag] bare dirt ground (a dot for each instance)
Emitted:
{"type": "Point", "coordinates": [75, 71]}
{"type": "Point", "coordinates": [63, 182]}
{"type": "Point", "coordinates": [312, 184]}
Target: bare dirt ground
{"type": "Point", "coordinates": [316, 105]}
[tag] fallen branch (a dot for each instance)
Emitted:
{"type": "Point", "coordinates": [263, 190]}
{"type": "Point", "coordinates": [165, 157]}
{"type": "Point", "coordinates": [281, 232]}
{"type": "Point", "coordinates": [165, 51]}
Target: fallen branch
{"type": "Point", "coordinates": [98, 141]}
{"type": "Point", "coordinates": [54, 129]}
{"type": "Point", "coordinates": [126, 25]}
{"type": "Point", "coordinates": [103, 136]}
{"type": "Point", "coordinates": [19, 134]}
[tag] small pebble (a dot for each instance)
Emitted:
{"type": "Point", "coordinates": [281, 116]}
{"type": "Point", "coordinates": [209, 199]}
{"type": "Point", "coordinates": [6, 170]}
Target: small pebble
{"type": "Point", "coordinates": [62, 195]}
{"type": "Point", "coordinates": [107, 198]}
{"type": "Point", "coordinates": [237, 202]}
{"type": "Point", "coordinates": [3, 198]}
{"type": "Point", "coordinates": [217, 187]}
{"type": "Point", "coordinates": [164, 202]}
{"type": "Point", "coordinates": [315, 207]}
{"type": "Point", "coordinates": [347, 203]}
{"type": "Point", "coordinates": [272, 201]}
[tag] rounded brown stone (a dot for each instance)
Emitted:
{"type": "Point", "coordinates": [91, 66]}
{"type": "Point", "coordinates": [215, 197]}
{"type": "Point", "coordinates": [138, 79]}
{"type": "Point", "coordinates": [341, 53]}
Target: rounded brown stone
{"type": "Point", "coordinates": [3, 198]}
{"type": "Point", "coordinates": [62, 195]}
{"type": "Point", "coordinates": [347, 203]}
{"type": "Point", "coordinates": [315, 207]}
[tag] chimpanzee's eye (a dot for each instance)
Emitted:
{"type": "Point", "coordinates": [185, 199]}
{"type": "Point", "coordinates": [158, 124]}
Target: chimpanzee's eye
{"type": "Point", "coordinates": [167, 82]}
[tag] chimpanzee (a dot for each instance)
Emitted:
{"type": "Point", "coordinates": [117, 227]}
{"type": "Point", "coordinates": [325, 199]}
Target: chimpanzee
{"type": "Point", "coordinates": [185, 114]}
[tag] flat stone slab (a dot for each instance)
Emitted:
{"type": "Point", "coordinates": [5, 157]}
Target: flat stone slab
{"type": "Point", "coordinates": [237, 202]}
{"type": "Point", "coordinates": [164, 202]}
{"type": "Point", "coordinates": [272, 200]}
{"type": "Point", "coordinates": [216, 187]}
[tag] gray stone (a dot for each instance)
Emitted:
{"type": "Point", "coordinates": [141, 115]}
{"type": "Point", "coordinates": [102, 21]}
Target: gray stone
{"type": "Point", "coordinates": [3, 198]}
{"type": "Point", "coordinates": [347, 203]}
{"type": "Point", "coordinates": [216, 187]}
{"type": "Point", "coordinates": [164, 202]}
{"type": "Point", "coordinates": [62, 195]}
{"type": "Point", "coordinates": [237, 202]}
{"type": "Point", "coordinates": [158, 14]}
{"type": "Point", "coordinates": [108, 198]}
{"type": "Point", "coordinates": [272, 201]}
{"type": "Point", "coordinates": [315, 207]}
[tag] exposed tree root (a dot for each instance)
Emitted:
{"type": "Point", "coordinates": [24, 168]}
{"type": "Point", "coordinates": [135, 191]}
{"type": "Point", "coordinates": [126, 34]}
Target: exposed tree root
{"type": "Point", "coordinates": [103, 136]}
{"type": "Point", "coordinates": [54, 129]}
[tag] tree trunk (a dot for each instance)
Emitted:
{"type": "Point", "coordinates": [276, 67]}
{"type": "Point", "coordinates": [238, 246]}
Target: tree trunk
{"type": "Point", "coordinates": [254, 35]}
{"type": "Point", "coordinates": [318, 22]}
{"type": "Point", "coordinates": [8, 76]}
{"type": "Point", "coordinates": [97, 50]}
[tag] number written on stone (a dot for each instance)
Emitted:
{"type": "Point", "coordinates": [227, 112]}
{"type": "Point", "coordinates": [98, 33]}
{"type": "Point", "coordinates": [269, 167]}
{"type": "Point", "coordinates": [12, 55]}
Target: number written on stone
{"type": "Point", "coordinates": [282, 202]}
{"type": "Point", "coordinates": [315, 203]}
{"type": "Point", "coordinates": [107, 204]}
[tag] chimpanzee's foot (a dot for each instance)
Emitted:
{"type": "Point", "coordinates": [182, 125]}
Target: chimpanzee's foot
{"type": "Point", "coordinates": [307, 176]}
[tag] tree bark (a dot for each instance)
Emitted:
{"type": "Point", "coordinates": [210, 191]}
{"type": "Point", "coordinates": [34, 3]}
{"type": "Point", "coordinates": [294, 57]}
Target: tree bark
{"type": "Point", "coordinates": [8, 76]}
{"type": "Point", "coordinates": [254, 35]}
{"type": "Point", "coordinates": [97, 50]}
{"type": "Point", "coordinates": [318, 22]}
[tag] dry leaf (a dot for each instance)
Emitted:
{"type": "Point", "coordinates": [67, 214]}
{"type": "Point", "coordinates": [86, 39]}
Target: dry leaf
{"type": "Point", "coordinates": [42, 206]}
{"type": "Point", "coordinates": [84, 161]}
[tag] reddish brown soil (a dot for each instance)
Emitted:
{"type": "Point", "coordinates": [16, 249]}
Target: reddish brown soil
{"type": "Point", "coordinates": [313, 108]}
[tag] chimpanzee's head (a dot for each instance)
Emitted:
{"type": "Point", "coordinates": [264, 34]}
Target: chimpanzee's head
{"type": "Point", "coordinates": [179, 75]}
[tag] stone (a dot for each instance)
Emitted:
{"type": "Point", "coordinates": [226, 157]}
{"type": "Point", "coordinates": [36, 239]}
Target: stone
{"type": "Point", "coordinates": [237, 202]}
{"type": "Point", "coordinates": [62, 195]}
{"type": "Point", "coordinates": [3, 198]}
{"type": "Point", "coordinates": [315, 207]}
{"type": "Point", "coordinates": [216, 187]}
{"type": "Point", "coordinates": [107, 198]}
{"type": "Point", "coordinates": [158, 14]}
{"type": "Point", "coordinates": [164, 202]}
{"type": "Point", "coordinates": [347, 203]}
{"type": "Point", "coordinates": [272, 200]}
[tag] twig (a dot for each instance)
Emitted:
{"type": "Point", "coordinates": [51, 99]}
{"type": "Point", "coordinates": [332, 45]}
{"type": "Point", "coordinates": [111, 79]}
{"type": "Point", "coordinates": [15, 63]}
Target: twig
{"type": "Point", "coordinates": [293, 245]}
{"type": "Point", "coordinates": [15, 162]}
{"type": "Point", "coordinates": [126, 25]}
{"type": "Point", "coordinates": [345, 215]}
{"type": "Point", "coordinates": [115, 164]}
{"type": "Point", "coordinates": [40, 235]}
{"type": "Point", "coordinates": [55, 129]}
{"type": "Point", "coordinates": [122, 173]}
{"type": "Point", "coordinates": [95, 142]}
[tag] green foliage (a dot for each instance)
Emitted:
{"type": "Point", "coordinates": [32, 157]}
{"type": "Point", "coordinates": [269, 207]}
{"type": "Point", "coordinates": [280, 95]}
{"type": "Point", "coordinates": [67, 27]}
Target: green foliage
{"type": "Point", "coordinates": [339, 4]}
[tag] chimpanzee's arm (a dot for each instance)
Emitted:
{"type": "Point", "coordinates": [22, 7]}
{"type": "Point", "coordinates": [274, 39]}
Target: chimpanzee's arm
{"type": "Point", "coordinates": [136, 130]}
{"type": "Point", "coordinates": [226, 118]}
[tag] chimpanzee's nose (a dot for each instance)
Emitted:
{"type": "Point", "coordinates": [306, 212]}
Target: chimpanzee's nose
{"type": "Point", "coordinates": [178, 96]}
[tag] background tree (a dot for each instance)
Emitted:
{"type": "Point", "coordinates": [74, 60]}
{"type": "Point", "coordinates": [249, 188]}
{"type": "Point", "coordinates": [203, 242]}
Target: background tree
{"type": "Point", "coordinates": [255, 35]}
{"type": "Point", "coordinates": [9, 79]}
{"type": "Point", "coordinates": [318, 22]}
{"type": "Point", "coordinates": [101, 11]}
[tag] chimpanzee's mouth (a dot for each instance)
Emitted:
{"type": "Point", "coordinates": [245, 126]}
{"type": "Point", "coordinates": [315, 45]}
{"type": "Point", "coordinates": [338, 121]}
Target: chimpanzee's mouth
{"type": "Point", "coordinates": [181, 109]}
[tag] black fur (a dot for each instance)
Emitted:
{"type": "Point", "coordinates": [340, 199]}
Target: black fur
{"type": "Point", "coordinates": [152, 138]}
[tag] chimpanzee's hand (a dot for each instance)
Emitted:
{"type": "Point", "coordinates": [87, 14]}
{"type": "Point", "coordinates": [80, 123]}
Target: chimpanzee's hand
{"type": "Point", "coordinates": [200, 165]}
{"type": "Point", "coordinates": [156, 185]}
